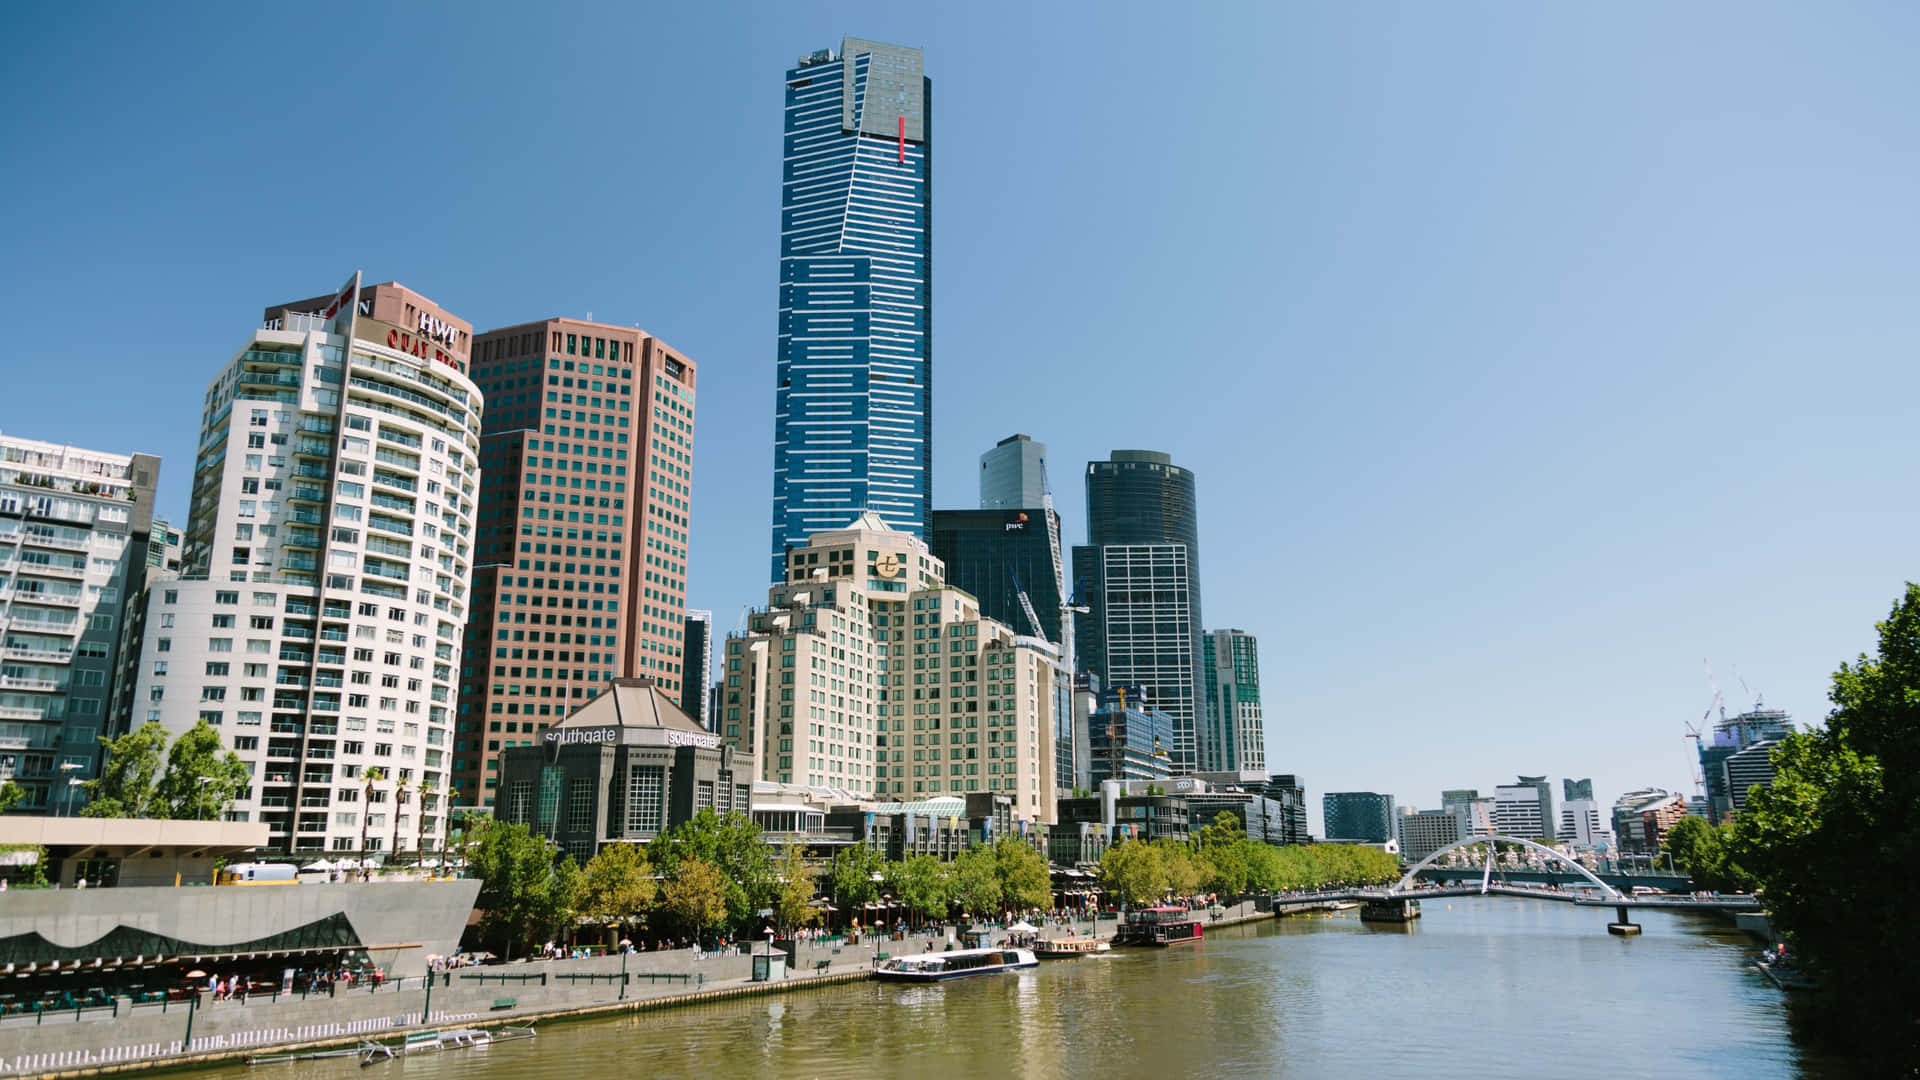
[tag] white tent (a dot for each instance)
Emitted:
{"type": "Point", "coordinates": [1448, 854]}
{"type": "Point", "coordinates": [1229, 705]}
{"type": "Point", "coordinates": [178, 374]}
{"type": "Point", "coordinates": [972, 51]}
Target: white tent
{"type": "Point", "coordinates": [1023, 927]}
{"type": "Point", "coordinates": [318, 865]}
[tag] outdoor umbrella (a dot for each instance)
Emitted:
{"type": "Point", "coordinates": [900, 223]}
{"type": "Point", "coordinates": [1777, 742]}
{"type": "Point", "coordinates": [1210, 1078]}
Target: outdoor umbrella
{"type": "Point", "coordinates": [196, 973]}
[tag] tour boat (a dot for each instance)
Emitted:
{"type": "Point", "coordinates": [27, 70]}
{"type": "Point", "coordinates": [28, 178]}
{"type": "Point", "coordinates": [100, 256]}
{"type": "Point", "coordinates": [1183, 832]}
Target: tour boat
{"type": "Point", "coordinates": [1067, 948]}
{"type": "Point", "coordinates": [940, 966]}
{"type": "Point", "coordinates": [1159, 926]}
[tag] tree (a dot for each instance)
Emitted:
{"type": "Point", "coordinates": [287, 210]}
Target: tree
{"type": "Point", "coordinates": [793, 898]}
{"type": "Point", "coordinates": [11, 795]}
{"type": "Point", "coordinates": [619, 885]}
{"type": "Point", "coordinates": [1025, 881]}
{"type": "Point", "coordinates": [524, 895]}
{"type": "Point", "coordinates": [1230, 864]}
{"type": "Point", "coordinates": [371, 776]}
{"type": "Point", "coordinates": [1134, 871]}
{"type": "Point", "coordinates": [1705, 852]}
{"type": "Point", "coordinates": [1185, 872]}
{"type": "Point", "coordinates": [420, 818]}
{"type": "Point", "coordinates": [128, 785]}
{"type": "Point", "coordinates": [1835, 834]}
{"type": "Point", "coordinates": [696, 896]}
{"type": "Point", "coordinates": [1223, 830]}
{"type": "Point", "coordinates": [976, 881]}
{"type": "Point", "coordinates": [852, 876]}
{"type": "Point", "coordinates": [731, 844]}
{"type": "Point", "coordinates": [399, 800]}
{"type": "Point", "coordinates": [923, 884]}
{"type": "Point", "coordinates": [201, 782]}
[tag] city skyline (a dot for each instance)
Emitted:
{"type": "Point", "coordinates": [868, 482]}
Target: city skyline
{"type": "Point", "coordinates": [1520, 502]}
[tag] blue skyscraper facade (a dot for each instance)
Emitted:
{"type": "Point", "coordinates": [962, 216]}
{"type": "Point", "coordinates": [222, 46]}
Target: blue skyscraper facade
{"type": "Point", "coordinates": [853, 412]}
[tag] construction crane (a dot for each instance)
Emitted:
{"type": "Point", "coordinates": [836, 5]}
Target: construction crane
{"type": "Point", "coordinates": [1026, 605]}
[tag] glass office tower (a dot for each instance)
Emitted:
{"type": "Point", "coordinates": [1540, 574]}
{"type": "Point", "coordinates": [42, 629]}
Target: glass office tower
{"type": "Point", "coordinates": [853, 412]}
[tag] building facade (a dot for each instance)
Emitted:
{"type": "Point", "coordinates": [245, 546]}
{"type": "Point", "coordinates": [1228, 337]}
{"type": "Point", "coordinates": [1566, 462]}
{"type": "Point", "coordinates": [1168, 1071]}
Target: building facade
{"type": "Point", "coordinates": [1642, 818]}
{"type": "Point", "coordinates": [1424, 832]}
{"type": "Point", "coordinates": [853, 408]}
{"type": "Point", "coordinates": [1583, 826]}
{"type": "Point", "coordinates": [1141, 565]}
{"type": "Point", "coordinates": [1128, 738]}
{"type": "Point", "coordinates": [1524, 809]}
{"type": "Point", "coordinates": [1236, 735]}
{"type": "Point", "coordinates": [1476, 814]}
{"type": "Point", "coordinates": [324, 577]}
{"type": "Point", "coordinates": [696, 695]}
{"type": "Point", "coordinates": [868, 672]}
{"type": "Point", "coordinates": [1366, 816]}
{"type": "Point", "coordinates": [74, 540]}
{"type": "Point", "coordinates": [584, 510]}
{"type": "Point", "coordinates": [1731, 737]}
{"type": "Point", "coordinates": [1290, 792]}
{"type": "Point", "coordinates": [624, 767]}
{"type": "Point", "coordinates": [1013, 475]}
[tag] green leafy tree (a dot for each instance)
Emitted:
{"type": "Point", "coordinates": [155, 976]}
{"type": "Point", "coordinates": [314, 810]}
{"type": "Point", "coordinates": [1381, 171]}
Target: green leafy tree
{"type": "Point", "coordinates": [1705, 852]}
{"type": "Point", "coordinates": [1262, 863]}
{"type": "Point", "coordinates": [696, 897]}
{"type": "Point", "coordinates": [619, 886]}
{"type": "Point", "coordinates": [1186, 871]}
{"type": "Point", "coordinates": [1025, 881]}
{"type": "Point", "coordinates": [852, 876]}
{"type": "Point", "coordinates": [1135, 871]}
{"type": "Point", "coordinates": [11, 795]}
{"type": "Point", "coordinates": [976, 881]}
{"type": "Point", "coordinates": [1833, 839]}
{"type": "Point", "coordinates": [793, 897]}
{"type": "Point", "coordinates": [129, 784]}
{"type": "Point", "coordinates": [1230, 864]}
{"type": "Point", "coordinates": [524, 895]}
{"type": "Point", "coordinates": [731, 844]}
{"type": "Point", "coordinates": [200, 781]}
{"type": "Point", "coordinates": [922, 883]}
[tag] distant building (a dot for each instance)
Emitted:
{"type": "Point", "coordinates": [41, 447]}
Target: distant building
{"type": "Point", "coordinates": [1013, 475]}
{"type": "Point", "coordinates": [1474, 813]}
{"type": "Point", "coordinates": [1576, 789]}
{"type": "Point", "coordinates": [1524, 809]}
{"type": "Point", "coordinates": [1290, 792]}
{"type": "Point", "coordinates": [1582, 826]}
{"type": "Point", "coordinates": [1128, 738]}
{"type": "Point", "coordinates": [626, 766]}
{"type": "Point", "coordinates": [695, 693]}
{"type": "Point", "coordinates": [1366, 816]}
{"type": "Point", "coordinates": [1641, 819]}
{"type": "Point", "coordinates": [1424, 832]}
{"type": "Point", "coordinates": [1236, 736]}
{"type": "Point", "coordinates": [1132, 814]}
{"type": "Point", "coordinates": [1731, 737]}
{"type": "Point", "coordinates": [1243, 795]}
{"type": "Point", "coordinates": [1747, 769]}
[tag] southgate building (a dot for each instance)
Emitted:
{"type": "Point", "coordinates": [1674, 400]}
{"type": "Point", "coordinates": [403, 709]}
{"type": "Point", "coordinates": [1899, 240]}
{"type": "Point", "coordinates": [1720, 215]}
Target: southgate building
{"type": "Point", "coordinates": [584, 511]}
{"type": "Point", "coordinates": [853, 408]}
{"type": "Point", "coordinates": [868, 673]}
{"type": "Point", "coordinates": [325, 567]}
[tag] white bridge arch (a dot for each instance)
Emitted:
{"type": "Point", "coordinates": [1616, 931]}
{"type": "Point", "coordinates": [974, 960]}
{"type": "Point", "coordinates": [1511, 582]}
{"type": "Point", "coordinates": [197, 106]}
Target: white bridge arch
{"type": "Point", "coordinates": [1407, 881]}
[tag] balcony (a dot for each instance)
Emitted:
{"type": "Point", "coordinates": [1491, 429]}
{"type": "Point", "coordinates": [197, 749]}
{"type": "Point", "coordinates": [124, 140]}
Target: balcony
{"type": "Point", "coordinates": [38, 538]}
{"type": "Point", "coordinates": [312, 448]}
{"type": "Point", "coordinates": [51, 599]}
{"type": "Point", "coordinates": [312, 472]}
{"type": "Point", "coordinates": [28, 566]}
{"type": "Point", "coordinates": [307, 493]}
{"type": "Point", "coordinates": [332, 633]}
{"type": "Point", "coordinates": [16, 682]}
{"type": "Point", "coordinates": [308, 517]}
{"type": "Point", "coordinates": [38, 656]}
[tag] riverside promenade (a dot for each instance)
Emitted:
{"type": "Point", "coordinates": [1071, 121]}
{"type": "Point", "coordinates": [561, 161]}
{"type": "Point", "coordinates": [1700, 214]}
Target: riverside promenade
{"type": "Point", "coordinates": [126, 1037]}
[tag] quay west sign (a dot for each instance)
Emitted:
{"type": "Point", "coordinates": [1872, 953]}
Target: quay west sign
{"type": "Point", "coordinates": [425, 345]}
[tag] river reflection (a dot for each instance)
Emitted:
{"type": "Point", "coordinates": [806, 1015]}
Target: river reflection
{"type": "Point", "coordinates": [1477, 988]}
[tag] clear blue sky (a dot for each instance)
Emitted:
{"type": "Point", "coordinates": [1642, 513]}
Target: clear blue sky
{"type": "Point", "coordinates": [1526, 355]}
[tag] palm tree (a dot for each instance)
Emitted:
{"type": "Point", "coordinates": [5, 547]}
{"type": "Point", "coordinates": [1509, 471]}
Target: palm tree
{"type": "Point", "coordinates": [399, 800]}
{"type": "Point", "coordinates": [372, 777]}
{"type": "Point", "coordinates": [420, 819]}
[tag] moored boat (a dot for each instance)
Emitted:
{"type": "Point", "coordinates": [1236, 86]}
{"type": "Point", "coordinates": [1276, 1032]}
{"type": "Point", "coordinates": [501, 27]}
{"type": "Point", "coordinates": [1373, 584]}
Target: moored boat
{"type": "Point", "coordinates": [1158, 926]}
{"type": "Point", "coordinates": [941, 966]}
{"type": "Point", "coordinates": [1068, 948]}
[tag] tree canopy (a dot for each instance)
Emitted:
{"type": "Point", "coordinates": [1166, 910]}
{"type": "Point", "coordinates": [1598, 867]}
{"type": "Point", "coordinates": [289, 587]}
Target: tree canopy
{"type": "Point", "coordinates": [793, 896]}
{"type": "Point", "coordinates": [852, 876]}
{"type": "Point", "coordinates": [1836, 834]}
{"type": "Point", "coordinates": [129, 782]}
{"type": "Point", "coordinates": [525, 896]}
{"type": "Point", "coordinates": [696, 896]}
{"type": "Point", "coordinates": [619, 885]}
{"type": "Point", "coordinates": [1025, 880]}
{"type": "Point", "coordinates": [201, 782]}
{"type": "Point", "coordinates": [730, 844]}
{"type": "Point", "coordinates": [922, 883]}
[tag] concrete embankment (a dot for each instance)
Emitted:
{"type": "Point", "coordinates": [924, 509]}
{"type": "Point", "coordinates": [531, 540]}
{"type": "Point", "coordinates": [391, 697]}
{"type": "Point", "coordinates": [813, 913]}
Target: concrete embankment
{"type": "Point", "coordinates": [145, 1037]}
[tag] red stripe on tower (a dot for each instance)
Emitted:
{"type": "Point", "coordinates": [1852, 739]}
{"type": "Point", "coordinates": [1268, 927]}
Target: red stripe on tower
{"type": "Point", "coordinates": [903, 140]}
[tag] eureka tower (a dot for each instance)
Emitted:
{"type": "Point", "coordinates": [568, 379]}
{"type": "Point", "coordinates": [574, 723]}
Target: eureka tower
{"type": "Point", "coordinates": [853, 412]}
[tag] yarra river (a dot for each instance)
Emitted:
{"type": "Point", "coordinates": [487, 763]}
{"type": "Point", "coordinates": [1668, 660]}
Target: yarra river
{"type": "Point", "coordinates": [1481, 988]}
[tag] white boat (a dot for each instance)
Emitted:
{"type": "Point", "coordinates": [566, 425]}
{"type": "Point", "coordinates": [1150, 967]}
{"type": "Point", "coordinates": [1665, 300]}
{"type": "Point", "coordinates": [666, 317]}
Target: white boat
{"type": "Point", "coordinates": [940, 966]}
{"type": "Point", "coordinates": [1069, 948]}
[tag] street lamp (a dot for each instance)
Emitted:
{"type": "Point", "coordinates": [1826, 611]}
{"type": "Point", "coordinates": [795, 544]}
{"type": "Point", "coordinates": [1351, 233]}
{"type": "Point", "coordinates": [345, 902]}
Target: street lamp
{"type": "Point", "coordinates": [72, 782]}
{"type": "Point", "coordinates": [199, 789]}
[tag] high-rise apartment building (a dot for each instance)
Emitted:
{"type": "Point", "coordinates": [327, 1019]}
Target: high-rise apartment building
{"type": "Point", "coordinates": [996, 555]}
{"type": "Point", "coordinates": [853, 409]}
{"type": "Point", "coordinates": [867, 672]}
{"type": "Point", "coordinates": [1641, 818]}
{"type": "Point", "coordinates": [1013, 475]}
{"type": "Point", "coordinates": [1366, 816]}
{"type": "Point", "coordinates": [74, 533]}
{"type": "Point", "coordinates": [585, 505]}
{"type": "Point", "coordinates": [1236, 734]}
{"type": "Point", "coordinates": [324, 579]}
{"type": "Point", "coordinates": [1141, 565]}
{"type": "Point", "coordinates": [1423, 832]}
{"type": "Point", "coordinates": [696, 694]}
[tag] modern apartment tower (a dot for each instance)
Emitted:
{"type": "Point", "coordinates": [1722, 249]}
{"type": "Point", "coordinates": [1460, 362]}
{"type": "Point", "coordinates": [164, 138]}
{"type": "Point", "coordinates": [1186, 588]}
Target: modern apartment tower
{"type": "Point", "coordinates": [1141, 568]}
{"type": "Point", "coordinates": [1236, 735]}
{"type": "Point", "coordinates": [585, 504]}
{"type": "Point", "coordinates": [324, 576]}
{"type": "Point", "coordinates": [1366, 816]}
{"type": "Point", "coordinates": [867, 672]}
{"type": "Point", "coordinates": [696, 697]}
{"type": "Point", "coordinates": [1525, 808]}
{"type": "Point", "coordinates": [853, 408]}
{"type": "Point", "coordinates": [74, 528]}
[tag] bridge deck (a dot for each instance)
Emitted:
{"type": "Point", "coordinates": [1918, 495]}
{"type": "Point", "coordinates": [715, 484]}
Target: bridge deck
{"type": "Point", "coordinates": [1664, 903]}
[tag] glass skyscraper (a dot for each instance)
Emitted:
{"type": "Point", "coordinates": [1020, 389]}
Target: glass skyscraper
{"type": "Point", "coordinates": [853, 413]}
{"type": "Point", "coordinates": [1236, 736]}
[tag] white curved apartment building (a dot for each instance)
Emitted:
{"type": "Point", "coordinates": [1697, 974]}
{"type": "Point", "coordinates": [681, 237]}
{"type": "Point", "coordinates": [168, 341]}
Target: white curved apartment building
{"type": "Point", "coordinates": [325, 570]}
